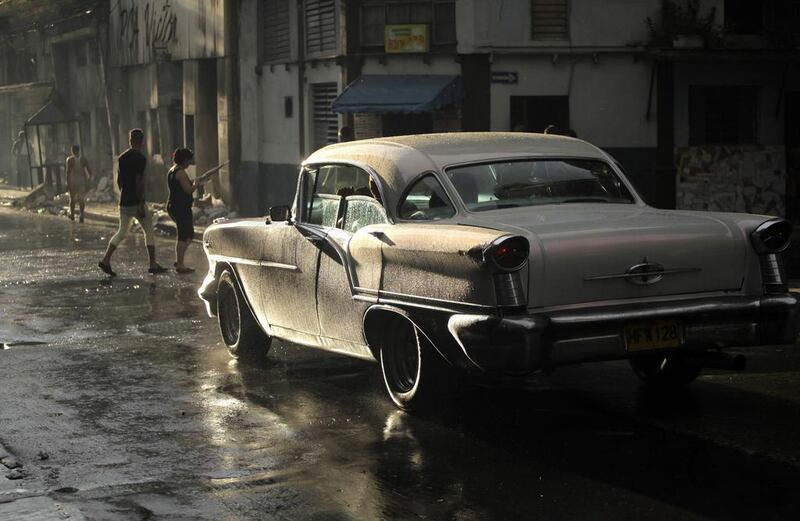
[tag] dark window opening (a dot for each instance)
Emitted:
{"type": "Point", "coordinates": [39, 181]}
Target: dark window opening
{"type": "Point", "coordinates": [325, 126]}
{"type": "Point", "coordinates": [276, 36]}
{"type": "Point", "coordinates": [320, 26]}
{"type": "Point", "coordinates": [722, 115]}
{"type": "Point", "coordinates": [535, 113]}
{"type": "Point", "coordinates": [744, 16]}
{"type": "Point", "coordinates": [439, 16]}
{"type": "Point", "coordinates": [549, 19]}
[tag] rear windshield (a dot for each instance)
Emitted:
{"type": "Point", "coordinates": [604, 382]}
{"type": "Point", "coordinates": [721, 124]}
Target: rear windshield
{"type": "Point", "coordinates": [534, 182]}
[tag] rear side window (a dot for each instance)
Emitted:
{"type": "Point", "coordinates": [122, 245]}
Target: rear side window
{"type": "Point", "coordinates": [331, 185]}
{"type": "Point", "coordinates": [426, 201]}
{"type": "Point", "coordinates": [362, 211]}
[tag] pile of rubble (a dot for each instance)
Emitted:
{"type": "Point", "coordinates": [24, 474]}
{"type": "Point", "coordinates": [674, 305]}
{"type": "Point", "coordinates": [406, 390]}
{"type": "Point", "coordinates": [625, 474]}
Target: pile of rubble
{"type": "Point", "coordinates": [103, 192]}
{"type": "Point", "coordinates": [43, 200]}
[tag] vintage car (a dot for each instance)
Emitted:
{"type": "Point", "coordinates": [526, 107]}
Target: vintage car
{"type": "Point", "coordinates": [496, 254]}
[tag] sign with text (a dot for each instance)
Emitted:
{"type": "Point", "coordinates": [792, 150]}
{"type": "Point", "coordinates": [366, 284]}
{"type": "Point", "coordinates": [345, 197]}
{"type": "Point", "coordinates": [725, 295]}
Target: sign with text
{"type": "Point", "coordinates": [405, 38]}
{"type": "Point", "coordinates": [508, 77]}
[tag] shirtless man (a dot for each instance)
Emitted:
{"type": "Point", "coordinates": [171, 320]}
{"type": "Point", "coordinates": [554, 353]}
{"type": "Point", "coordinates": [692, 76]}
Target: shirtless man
{"type": "Point", "coordinates": [78, 175]}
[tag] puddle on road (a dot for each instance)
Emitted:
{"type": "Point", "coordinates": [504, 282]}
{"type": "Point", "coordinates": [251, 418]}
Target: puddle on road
{"type": "Point", "coordinates": [21, 343]}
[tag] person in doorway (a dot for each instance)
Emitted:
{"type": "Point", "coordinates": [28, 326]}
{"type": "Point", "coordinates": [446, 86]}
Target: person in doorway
{"type": "Point", "coordinates": [130, 180]}
{"type": "Point", "coordinates": [179, 204]}
{"type": "Point", "coordinates": [78, 176]}
{"type": "Point", "coordinates": [19, 151]}
{"type": "Point", "coordinates": [346, 134]}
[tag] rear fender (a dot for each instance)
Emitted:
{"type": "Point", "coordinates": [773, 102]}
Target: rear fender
{"type": "Point", "coordinates": [431, 324]}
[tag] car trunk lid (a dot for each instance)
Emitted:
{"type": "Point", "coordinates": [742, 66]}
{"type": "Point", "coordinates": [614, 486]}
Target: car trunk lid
{"type": "Point", "coordinates": [595, 252]}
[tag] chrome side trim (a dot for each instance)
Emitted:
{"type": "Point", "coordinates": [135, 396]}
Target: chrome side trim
{"type": "Point", "coordinates": [640, 275]}
{"type": "Point", "coordinates": [419, 301]}
{"type": "Point", "coordinates": [253, 262]}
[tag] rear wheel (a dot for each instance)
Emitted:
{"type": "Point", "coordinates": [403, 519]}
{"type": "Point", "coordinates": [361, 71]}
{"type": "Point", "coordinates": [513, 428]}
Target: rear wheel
{"type": "Point", "coordinates": [241, 333]}
{"type": "Point", "coordinates": [665, 371]}
{"type": "Point", "coordinates": [415, 375]}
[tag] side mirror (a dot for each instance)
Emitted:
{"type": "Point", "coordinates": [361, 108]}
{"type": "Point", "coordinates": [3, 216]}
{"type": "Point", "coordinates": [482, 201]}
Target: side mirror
{"type": "Point", "coordinates": [280, 213]}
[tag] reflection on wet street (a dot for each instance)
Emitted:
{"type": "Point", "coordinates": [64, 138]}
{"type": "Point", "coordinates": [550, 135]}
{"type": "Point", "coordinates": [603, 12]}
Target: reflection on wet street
{"type": "Point", "coordinates": [127, 389]}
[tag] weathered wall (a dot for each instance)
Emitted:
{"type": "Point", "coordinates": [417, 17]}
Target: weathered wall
{"type": "Point", "coordinates": [744, 178]}
{"type": "Point", "coordinates": [592, 23]}
{"type": "Point", "coordinates": [183, 29]}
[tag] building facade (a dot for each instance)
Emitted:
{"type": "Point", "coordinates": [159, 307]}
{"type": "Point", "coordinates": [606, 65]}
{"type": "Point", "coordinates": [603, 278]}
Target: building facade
{"type": "Point", "coordinates": [696, 99]}
{"type": "Point", "coordinates": [51, 55]}
{"type": "Point", "coordinates": [170, 75]}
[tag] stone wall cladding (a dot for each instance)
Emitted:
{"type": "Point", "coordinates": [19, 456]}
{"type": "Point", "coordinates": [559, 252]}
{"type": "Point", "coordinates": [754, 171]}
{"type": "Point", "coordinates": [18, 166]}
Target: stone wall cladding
{"type": "Point", "coordinates": [738, 178]}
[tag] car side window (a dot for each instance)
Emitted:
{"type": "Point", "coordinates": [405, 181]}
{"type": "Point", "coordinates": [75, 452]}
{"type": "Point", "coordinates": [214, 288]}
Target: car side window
{"type": "Point", "coordinates": [426, 201]}
{"type": "Point", "coordinates": [333, 184]}
{"type": "Point", "coordinates": [360, 211]}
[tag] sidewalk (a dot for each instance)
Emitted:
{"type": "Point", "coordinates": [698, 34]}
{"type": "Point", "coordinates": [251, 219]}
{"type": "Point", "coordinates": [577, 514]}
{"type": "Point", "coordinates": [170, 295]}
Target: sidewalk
{"type": "Point", "coordinates": [105, 213]}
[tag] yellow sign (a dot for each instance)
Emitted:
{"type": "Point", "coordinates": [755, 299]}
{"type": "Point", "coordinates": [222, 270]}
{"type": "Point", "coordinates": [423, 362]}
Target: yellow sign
{"type": "Point", "coordinates": [406, 38]}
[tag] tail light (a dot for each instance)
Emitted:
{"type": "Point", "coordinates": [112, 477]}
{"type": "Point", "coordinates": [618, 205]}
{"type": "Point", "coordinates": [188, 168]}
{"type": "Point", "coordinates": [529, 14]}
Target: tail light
{"type": "Point", "coordinates": [773, 274]}
{"type": "Point", "coordinates": [769, 240]}
{"type": "Point", "coordinates": [772, 236]}
{"type": "Point", "coordinates": [508, 253]}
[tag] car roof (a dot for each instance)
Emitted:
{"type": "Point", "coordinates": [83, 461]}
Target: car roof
{"type": "Point", "coordinates": [400, 159]}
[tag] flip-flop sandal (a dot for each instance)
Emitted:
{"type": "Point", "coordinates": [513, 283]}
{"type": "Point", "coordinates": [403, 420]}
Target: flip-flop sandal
{"type": "Point", "coordinates": [185, 270]}
{"type": "Point", "coordinates": [157, 270]}
{"type": "Point", "coordinates": [106, 269]}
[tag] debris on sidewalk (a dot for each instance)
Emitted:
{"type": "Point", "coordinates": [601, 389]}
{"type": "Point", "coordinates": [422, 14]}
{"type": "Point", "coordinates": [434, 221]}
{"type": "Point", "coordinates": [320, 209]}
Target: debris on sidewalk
{"type": "Point", "coordinates": [103, 192]}
{"type": "Point", "coordinates": [17, 473]}
{"type": "Point", "coordinates": [10, 462]}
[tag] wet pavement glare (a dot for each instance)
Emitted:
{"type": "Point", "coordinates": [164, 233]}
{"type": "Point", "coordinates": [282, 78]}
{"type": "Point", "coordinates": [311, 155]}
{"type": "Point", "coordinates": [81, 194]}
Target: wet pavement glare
{"type": "Point", "coordinates": [126, 387]}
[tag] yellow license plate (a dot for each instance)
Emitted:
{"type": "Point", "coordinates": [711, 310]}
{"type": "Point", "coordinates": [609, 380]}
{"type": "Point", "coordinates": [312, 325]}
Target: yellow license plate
{"type": "Point", "coordinates": [656, 334]}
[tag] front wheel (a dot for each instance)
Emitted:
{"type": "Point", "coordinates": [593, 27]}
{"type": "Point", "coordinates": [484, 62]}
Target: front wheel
{"type": "Point", "coordinates": [415, 375]}
{"type": "Point", "coordinates": [241, 333]}
{"type": "Point", "coordinates": [665, 371]}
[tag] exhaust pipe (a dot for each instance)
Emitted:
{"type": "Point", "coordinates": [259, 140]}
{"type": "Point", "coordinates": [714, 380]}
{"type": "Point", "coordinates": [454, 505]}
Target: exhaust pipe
{"type": "Point", "coordinates": [718, 360]}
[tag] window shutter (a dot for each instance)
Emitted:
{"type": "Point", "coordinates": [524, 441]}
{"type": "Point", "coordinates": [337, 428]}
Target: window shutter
{"type": "Point", "coordinates": [277, 35]}
{"type": "Point", "coordinates": [320, 26]}
{"type": "Point", "coordinates": [549, 19]}
{"type": "Point", "coordinates": [326, 123]}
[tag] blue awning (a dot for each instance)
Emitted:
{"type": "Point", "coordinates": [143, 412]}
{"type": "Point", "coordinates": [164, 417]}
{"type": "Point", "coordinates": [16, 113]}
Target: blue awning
{"type": "Point", "coordinates": [399, 93]}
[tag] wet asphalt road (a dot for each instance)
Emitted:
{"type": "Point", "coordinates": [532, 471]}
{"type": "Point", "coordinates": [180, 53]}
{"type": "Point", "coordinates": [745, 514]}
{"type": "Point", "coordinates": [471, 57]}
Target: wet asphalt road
{"type": "Point", "coordinates": [126, 386]}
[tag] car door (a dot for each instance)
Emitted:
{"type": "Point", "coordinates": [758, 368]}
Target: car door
{"type": "Point", "coordinates": [288, 271]}
{"type": "Point", "coordinates": [340, 314]}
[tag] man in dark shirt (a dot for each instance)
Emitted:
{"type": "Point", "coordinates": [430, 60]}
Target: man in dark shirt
{"type": "Point", "coordinates": [130, 179]}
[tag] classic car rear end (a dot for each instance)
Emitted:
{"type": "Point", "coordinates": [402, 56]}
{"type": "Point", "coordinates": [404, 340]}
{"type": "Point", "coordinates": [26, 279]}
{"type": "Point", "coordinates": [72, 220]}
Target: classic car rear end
{"type": "Point", "coordinates": [497, 254]}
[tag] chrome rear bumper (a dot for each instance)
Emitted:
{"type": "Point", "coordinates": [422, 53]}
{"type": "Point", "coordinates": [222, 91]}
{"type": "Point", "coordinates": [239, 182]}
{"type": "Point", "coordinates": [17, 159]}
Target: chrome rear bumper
{"type": "Point", "coordinates": [528, 342]}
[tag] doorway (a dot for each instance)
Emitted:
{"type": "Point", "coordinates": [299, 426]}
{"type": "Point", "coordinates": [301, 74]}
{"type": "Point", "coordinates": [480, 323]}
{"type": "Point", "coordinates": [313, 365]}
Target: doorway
{"type": "Point", "coordinates": [535, 113]}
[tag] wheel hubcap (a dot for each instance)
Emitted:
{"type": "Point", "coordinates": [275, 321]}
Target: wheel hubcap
{"type": "Point", "coordinates": [403, 360]}
{"type": "Point", "coordinates": [228, 314]}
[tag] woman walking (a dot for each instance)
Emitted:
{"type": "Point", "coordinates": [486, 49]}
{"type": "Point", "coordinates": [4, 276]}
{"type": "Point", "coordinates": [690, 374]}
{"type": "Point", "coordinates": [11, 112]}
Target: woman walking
{"type": "Point", "coordinates": [179, 203]}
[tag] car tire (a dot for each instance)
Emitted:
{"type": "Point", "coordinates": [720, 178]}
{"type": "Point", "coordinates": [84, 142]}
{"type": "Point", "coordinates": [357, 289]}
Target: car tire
{"type": "Point", "coordinates": [415, 374]}
{"type": "Point", "coordinates": [665, 371]}
{"type": "Point", "coordinates": [241, 333]}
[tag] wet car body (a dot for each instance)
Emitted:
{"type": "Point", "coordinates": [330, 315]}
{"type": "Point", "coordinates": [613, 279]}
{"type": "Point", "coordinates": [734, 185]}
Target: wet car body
{"type": "Point", "coordinates": [495, 253]}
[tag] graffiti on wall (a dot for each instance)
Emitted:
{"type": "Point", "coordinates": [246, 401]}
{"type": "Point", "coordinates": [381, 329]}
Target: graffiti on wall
{"type": "Point", "coordinates": [151, 24]}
